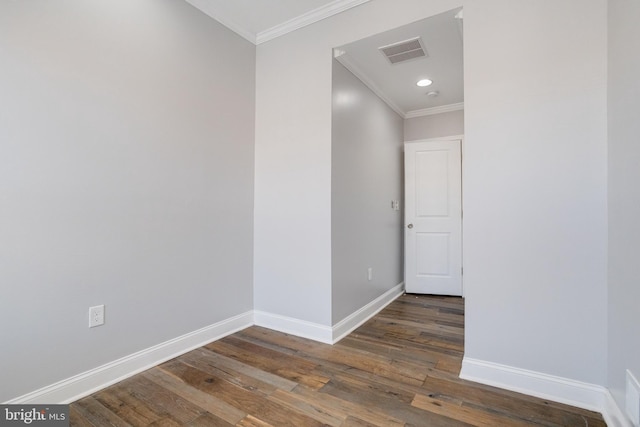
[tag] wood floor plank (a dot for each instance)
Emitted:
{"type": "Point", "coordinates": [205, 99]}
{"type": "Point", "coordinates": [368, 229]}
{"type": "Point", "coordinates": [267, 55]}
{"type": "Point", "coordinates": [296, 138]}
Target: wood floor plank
{"type": "Point", "coordinates": [356, 422]}
{"type": "Point", "coordinates": [122, 403]}
{"type": "Point", "coordinates": [399, 369]}
{"type": "Point", "coordinates": [206, 401]}
{"type": "Point", "coordinates": [379, 364]}
{"type": "Point", "coordinates": [209, 420]}
{"type": "Point", "coordinates": [393, 351]}
{"type": "Point", "coordinates": [166, 422]}
{"type": "Point", "coordinates": [347, 407]}
{"type": "Point", "coordinates": [200, 360]}
{"type": "Point", "coordinates": [252, 403]}
{"type": "Point", "coordinates": [307, 407]}
{"type": "Point", "coordinates": [233, 367]}
{"type": "Point", "coordinates": [162, 401]}
{"type": "Point", "coordinates": [464, 414]}
{"type": "Point", "coordinates": [289, 367]}
{"type": "Point", "coordinates": [251, 421]}
{"type": "Point", "coordinates": [76, 417]}
{"type": "Point", "coordinates": [98, 415]}
{"type": "Point", "coordinates": [395, 402]}
{"type": "Point", "coordinates": [427, 324]}
{"type": "Point", "coordinates": [414, 340]}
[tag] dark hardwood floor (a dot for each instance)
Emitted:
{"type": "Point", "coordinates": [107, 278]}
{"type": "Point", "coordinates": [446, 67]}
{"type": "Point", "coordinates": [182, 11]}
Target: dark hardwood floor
{"type": "Point", "coordinates": [399, 369]}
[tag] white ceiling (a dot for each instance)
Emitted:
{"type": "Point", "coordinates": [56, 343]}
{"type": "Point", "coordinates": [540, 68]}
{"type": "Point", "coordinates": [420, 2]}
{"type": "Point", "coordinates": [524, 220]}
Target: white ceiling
{"type": "Point", "coordinates": [261, 20]}
{"type": "Point", "coordinates": [396, 83]}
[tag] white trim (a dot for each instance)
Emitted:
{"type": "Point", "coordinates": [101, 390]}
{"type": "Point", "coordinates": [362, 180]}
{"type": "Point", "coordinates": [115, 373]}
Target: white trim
{"type": "Point", "coordinates": [613, 415]}
{"type": "Point", "coordinates": [207, 8]}
{"type": "Point", "coordinates": [434, 110]}
{"type": "Point", "coordinates": [558, 389]}
{"type": "Point", "coordinates": [348, 63]}
{"type": "Point", "coordinates": [297, 327]}
{"type": "Point", "coordinates": [89, 382]}
{"type": "Point", "coordinates": [354, 320]}
{"type": "Point", "coordinates": [308, 18]}
{"type": "Point", "coordinates": [583, 395]}
{"type": "Point", "coordinates": [86, 383]}
{"type": "Point", "coordinates": [322, 333]}
{"type": "Point", "coordinates": [440, 138]}
{"type": "Point", "coordinates": [631, 398]}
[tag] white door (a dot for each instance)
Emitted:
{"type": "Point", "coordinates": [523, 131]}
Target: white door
{"type": "Point", "coordinates": [433, 217]}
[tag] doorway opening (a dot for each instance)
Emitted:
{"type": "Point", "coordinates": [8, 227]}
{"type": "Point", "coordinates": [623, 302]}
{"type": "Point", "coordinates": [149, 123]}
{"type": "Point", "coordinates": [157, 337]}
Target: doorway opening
{"type": "Point", "coordinates": [377, 107]}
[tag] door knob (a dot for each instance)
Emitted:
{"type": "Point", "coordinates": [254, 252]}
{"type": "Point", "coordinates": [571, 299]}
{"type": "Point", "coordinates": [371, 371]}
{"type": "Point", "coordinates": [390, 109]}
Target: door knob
{"type": "Point", "coordinates": [410, 226]}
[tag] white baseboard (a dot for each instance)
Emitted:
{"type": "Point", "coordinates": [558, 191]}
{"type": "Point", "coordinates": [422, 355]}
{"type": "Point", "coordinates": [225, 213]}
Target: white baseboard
{"type": "Point", "coordinates": [86, 383]}
{"type": "Point", "coordinates": [613, 415]}
{"type": "Point", "coordinates": [293, 326]}
{"type": "Point", "coordinates": [323, 333]}
{"type": "Point", "coordinates": [575, 393]}
{"type": "Point", "coordinates": [353, 321]}
{"type": "Point", "coordinates": [89, 382]}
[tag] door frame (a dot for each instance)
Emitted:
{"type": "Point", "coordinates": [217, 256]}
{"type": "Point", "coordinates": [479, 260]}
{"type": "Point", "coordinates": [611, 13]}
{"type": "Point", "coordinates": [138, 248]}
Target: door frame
{"type": "Point", "coordinates": [404, 225]}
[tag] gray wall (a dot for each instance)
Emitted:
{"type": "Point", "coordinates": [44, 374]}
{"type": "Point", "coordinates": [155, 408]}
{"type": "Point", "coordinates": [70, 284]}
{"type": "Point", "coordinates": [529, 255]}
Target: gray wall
{"type": "Point", "coordinates": [434, 126]}
{"type": "Point", "coordinates": [535, 186]}
{"type": "Point", "coordinates": [366, 175]}
{"type": "Point", "coordinates": [126, 179]}
{"type": "Point", "coordinates": [624, 193]}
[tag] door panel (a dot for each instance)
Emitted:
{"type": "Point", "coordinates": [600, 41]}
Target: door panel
{"type": "Point", "coordinates": [432, 254]}
{"type": "Point", "coordinates": [433, 217]}
{"type": "Point", "coordinates": [432, 172]}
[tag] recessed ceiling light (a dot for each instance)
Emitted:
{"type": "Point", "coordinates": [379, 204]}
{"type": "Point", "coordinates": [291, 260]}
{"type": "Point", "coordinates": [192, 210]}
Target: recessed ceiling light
{"type": "Point", "coordinates": [424, 82]}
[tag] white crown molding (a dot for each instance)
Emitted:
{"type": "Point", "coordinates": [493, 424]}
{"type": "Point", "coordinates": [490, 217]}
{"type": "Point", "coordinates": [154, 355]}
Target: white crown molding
{"type": "Point", "coordinates": [86, 383]}
{"type": "Point", "coordinates": [308, 18]}
{"type": "Point", "coordinates": [208, 9]}
{"type": "Point", "coordinates": [558, 389]}
{"type": "Point", "coordinates": [345, 60]}
{"type": "Point", "coordinates": [434, 110]}
{"type": "Point", "coordinates": [323, 12]}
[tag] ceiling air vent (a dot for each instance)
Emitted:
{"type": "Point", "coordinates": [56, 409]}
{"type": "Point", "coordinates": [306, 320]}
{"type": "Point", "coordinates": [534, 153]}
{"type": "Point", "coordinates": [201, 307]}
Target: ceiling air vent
{"type": "Point", "coordinates": [404, 50]}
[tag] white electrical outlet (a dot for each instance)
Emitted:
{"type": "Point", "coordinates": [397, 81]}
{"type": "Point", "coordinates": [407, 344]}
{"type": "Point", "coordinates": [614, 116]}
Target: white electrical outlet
{"type": "Point", "coordinates": [369, 273]}
{"type": "Point", "coordinates": [96, 316]}
{"type": "Point", "coordinates": [633, 399]}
